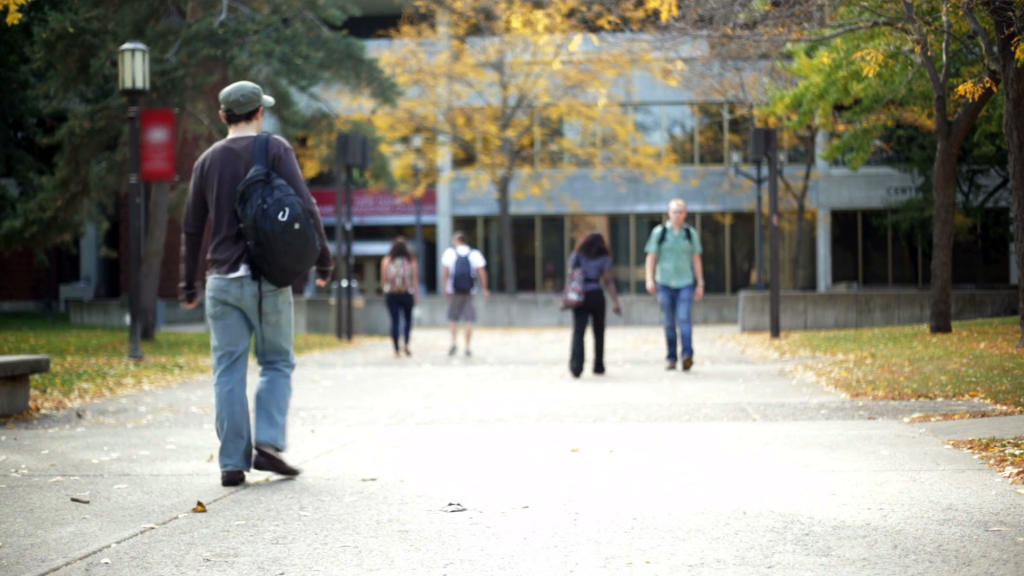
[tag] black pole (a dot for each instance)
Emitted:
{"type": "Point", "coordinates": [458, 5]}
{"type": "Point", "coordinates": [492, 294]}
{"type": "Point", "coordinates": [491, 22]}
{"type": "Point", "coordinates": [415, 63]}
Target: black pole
{"type": "Point", "coordinates": [339, 327]}
{"type": "Point", "coordinates": [420, 250]}
{"type": "Point", "coordinates": [350, 259]}
{"type": "Point", "coordinates": [758, 232]}
{"type": "Point", "coordinates": [773, 207]}
{"type": "Point", "coordinates": [135, 215]}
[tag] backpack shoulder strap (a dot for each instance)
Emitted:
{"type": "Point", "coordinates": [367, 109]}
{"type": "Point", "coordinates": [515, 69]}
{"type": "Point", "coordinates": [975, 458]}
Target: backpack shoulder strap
{"type": "Point", "coordinates": [662, 235]}
{"type": "Point", "coordinates": [260, 151]}
{"type": "Point", "coordinates": [689, 235]}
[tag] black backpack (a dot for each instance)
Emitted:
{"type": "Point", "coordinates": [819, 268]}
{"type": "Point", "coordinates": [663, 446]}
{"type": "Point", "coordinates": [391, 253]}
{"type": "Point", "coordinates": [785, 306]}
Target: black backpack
{"type": "Point", "coordinates": [280, 239]}
{"type": "Point", "coordinates": [462, 276]}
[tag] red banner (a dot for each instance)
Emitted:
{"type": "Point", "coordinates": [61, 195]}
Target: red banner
{"type": "Point", "coordinates": [159, 146]}
{"type": "Point", "coordinates": [375, 204]}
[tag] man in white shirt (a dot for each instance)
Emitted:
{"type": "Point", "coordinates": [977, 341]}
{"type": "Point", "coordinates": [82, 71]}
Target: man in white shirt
{"type": "Point", "coordinates": [462, 264]}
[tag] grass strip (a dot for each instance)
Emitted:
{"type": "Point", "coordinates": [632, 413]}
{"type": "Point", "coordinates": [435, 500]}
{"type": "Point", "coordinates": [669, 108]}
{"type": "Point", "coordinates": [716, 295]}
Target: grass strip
{"type": "Point", "coordinates": [978, 360]}
{"type": "Point", "coordinates": [88, 363]}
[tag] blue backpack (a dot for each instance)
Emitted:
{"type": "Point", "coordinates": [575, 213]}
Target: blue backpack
{"type": "Point", "coordinates": [462, 276]}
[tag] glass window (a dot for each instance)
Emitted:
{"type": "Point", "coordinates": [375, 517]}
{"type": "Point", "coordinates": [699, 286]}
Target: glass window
{"type": "Point", "coordinates": [875, 233]}
{"type": "Point", "coordinates": [644, 226]}
{"type": "Point", "coordinates": [491, 247]}
{"type": "Point", "coordinates": [577, 136]}
{"type": "Point", "coordinates": [648, 120]}
{"type": "Point", "coordinates": [680, 126]}
{"type": "Point", "coordinates": [618, 243]}
{"type": "Point", "coordinates": [553, 253]}
{"type": "Point", "coordinates": [712, 238]}
{"type": "Point", "coordinates": [995, 245]}
{"type": "Point", "coordinates": [468, 227]}
{"type": "Point", "coordinates": [740, 125]}
{"type": "Point", "coordinates": [844, 247]}
{"type": "Point", "coordinates": [525, 249]}
{"type": "Point", "coordinates": [743, 247]}
{"type": "Point", "coordinates": [711, 148]}
{"type": "Point", "coordinates": [904, 260]}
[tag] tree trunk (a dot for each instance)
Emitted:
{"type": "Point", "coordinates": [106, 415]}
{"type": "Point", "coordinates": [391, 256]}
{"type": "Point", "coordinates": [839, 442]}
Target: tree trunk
{"type": "Point", "coordinates": [801, 210]}
{"type": "Point", "coordinates": [1004, 15]}
{"type": "Point", "coordinates": [943, 229]}
{"type": "Point", "coordinates": [1013, 128]}
{"type": "Point", "coordinates": [508, 262]}
{"type": "Point", "coordinates": [153, 255]}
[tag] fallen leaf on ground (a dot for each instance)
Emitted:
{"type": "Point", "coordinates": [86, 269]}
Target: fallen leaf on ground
{"type": "Point", "coordinates": [1005, 455]}
{"type": "Point", "coordinates": [200, 507]}
{"type": "Point", "coordinates": [79, 500]}
{"type": "Point", "coordinates": [369, 480]}
{"type": "Point", "coordinates": [574, 450]}
{"type": "Point", "coordinates": [210, 459]}
{"type": "Point", "coordinates": [454, 507]}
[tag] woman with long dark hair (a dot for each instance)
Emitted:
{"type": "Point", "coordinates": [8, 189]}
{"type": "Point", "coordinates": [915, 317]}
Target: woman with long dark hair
{"type": "Point", "coordinates": [593, 257]}
{"type": "Point", "coordinates": [399, 273]}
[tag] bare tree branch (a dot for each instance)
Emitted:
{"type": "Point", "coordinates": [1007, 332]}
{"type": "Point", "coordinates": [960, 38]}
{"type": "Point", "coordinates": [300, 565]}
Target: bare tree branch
{"type": "Point", "coordinates": [223, 13]}
{"type": "Point", "coordinates": [993, 61]}
{"type": "Point", "coordinates": [947, 26]}
{"type": "Point", "coordinates": [929, 61]}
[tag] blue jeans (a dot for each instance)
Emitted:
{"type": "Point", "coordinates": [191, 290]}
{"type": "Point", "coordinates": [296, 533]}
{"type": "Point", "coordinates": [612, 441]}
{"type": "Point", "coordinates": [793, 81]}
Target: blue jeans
{"type": "Point", "coordinates": [676, 304]}
{"type": "Point", "coordinates": [232, 309]}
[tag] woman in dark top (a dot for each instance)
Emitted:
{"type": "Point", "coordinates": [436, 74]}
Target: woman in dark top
{"type": "Point", "coordinates": [593, 257]}
{"type": "Point", "coordinates": [399, 272]}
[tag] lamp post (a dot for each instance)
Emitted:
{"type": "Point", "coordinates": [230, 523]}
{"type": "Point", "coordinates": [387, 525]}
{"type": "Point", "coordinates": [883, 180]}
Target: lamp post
{"type": "Point", "coordinates": [758, 180]}
{"type": "Point", "coordinates": [133, 81]}
{"type": "Point", "coordinates": [417, 170]}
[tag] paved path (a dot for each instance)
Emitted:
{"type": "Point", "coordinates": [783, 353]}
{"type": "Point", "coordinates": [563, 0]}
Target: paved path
{"type": "Point", "coordinates": [732, 469]}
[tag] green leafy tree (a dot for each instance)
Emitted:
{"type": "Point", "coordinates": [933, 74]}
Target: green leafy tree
{"type": "Point", "coordinates": [291, 47]}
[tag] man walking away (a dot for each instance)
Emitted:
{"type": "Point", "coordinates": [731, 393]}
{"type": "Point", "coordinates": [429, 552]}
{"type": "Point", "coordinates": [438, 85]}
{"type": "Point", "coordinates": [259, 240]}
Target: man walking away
{"type": "Point", "coordinates": [675, 274]}
{"type": "Point", "coordinates": [237, 306]}
{"type": "Point", "coordinates": [461, 265]}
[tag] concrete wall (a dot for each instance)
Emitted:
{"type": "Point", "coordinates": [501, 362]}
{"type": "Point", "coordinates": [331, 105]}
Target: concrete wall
{"type": "Point", "coordinates": [371, 315]}
{"type": "Point", "coordinates": [864, 308]}
{"type": "Point", "coordinates": [113, 312]}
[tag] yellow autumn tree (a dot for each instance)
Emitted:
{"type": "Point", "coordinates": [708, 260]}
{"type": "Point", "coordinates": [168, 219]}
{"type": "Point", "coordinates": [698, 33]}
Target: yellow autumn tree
{"type": "Point", "coordinates": [521, 94]}
{"type": "Point", "coordinates": [13, 8]}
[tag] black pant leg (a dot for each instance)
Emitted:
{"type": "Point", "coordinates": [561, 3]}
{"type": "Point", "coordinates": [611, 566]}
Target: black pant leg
{"type": "Point", "coordinates": [580, 316]}
{"type": "Point", "coordinates": [393, 311]}
{"type": "Point", "coordinates": [598, 309]}
{"type": "Point", "coordinates": [407, 304]}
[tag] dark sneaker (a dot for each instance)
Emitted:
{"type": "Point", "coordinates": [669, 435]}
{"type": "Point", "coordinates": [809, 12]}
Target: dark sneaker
{"type": "Point", "coordinates": [453, 350]}
{"type": "Point", "coordinates": [468, 352]}
{"type": "Point", "coordinates": [599, 370]}
{"type": "Point", "coordinates": [670, 366]}
{"type": "Point", "coordinates": [231, 478]}
{"type": "Point", "coordinates": [687, 363]}
{"type": "Point", "coordinates": [269, 461]}
{"type": "Point", "coordinates": [408, 352]}
{"type": "Point", "coordinates": [575, 371]}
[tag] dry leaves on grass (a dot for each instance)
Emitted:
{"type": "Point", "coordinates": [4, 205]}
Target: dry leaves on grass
{"type": "Point", "coordinates": [89, 363]}
{"type": "Point", "coordinates": [965, 415]}
{"type": "Point", "coordinates": [978, 361]}
{"type": "Point", "coordinates": [1006, 455]}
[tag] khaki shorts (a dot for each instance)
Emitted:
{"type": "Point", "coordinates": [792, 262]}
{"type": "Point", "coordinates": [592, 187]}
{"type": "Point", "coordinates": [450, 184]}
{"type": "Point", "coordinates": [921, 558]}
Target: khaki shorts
{"type": "Point", "coordinates": [460, 308]}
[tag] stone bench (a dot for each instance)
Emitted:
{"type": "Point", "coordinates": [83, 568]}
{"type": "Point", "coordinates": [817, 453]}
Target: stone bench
{"type": "Point", "coordinates": [14, 386]}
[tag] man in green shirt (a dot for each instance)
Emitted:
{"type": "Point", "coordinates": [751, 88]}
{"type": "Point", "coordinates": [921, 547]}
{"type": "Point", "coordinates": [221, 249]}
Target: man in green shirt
{"type": "Point", "coordinates": [675, 274]}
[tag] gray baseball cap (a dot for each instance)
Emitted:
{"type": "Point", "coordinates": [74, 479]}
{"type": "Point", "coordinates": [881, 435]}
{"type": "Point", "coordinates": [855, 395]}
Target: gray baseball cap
{"type": "Point", "coordinates": [242, 97]}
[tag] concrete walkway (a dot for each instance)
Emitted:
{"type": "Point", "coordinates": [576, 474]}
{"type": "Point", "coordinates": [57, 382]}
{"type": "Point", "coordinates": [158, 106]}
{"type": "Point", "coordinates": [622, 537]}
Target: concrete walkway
{"type": "Point", "coordinates": [732, 469]}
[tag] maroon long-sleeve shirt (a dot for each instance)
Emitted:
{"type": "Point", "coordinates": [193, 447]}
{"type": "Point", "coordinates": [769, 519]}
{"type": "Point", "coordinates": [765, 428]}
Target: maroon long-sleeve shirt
{"type": "Point", "coordinates": [212, 195]}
